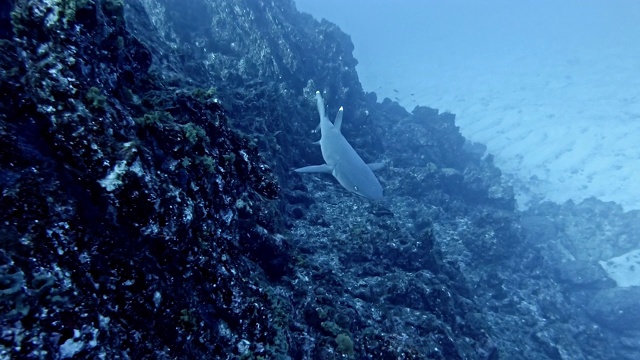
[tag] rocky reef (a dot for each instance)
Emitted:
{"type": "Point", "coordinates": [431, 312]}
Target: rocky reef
{"type": "Point", "coordinates": [149, 210]}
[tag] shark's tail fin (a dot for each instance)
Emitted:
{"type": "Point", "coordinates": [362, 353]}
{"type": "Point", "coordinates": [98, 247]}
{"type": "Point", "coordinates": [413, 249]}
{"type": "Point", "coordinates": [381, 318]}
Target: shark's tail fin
{"type": "Point", "coordinates": [321, 108]}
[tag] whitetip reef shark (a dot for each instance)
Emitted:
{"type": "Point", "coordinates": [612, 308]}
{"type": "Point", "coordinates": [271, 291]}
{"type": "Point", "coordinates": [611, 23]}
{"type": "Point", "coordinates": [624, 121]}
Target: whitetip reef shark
{"type": "Point", "coordinates": [341, 160]}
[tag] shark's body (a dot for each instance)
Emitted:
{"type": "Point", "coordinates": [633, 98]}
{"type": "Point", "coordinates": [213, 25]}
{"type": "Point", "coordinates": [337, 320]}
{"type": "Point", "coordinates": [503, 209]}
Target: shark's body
{"type": "Point", "coordinates": [341, 160]}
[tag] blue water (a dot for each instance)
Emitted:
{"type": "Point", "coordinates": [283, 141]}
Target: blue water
{"type": "Point", "coordinates": [551, 87]}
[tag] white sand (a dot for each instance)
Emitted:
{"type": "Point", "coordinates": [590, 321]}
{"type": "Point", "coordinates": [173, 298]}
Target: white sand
{"type": "Point", "coordinates": [552, 90]}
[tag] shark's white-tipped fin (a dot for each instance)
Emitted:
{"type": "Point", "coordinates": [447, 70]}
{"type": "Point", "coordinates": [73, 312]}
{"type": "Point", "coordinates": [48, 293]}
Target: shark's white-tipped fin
{"type": "Point", "coordinates": [338, 123]}
{"type": "Point", "coordinates": [320, 103]}
{"type": "Point", "coordinates": [376, 166]}
{"type": "Point", "coordinates": [324, 168]}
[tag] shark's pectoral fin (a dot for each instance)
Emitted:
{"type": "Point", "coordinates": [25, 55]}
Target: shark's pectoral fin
{"type": "Point", "coordinates": [324, 168]}
{"type": "Point", "coordinates": [376, 166]}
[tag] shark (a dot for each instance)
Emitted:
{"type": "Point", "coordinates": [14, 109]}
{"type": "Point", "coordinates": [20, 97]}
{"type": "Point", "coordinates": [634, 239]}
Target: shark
{"type": "Point", "coordinates": [341, 160]}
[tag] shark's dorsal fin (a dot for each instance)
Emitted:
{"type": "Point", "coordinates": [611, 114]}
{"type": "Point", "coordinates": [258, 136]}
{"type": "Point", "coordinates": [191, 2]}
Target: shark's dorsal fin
{"type": "Point", "coordinates": [338, 123]}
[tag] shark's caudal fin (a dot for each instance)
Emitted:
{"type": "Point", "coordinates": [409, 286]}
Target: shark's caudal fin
{"type": "Point", "coordinates": [320, 104]}
{"type": "Point", "coordinates": [337, 124]}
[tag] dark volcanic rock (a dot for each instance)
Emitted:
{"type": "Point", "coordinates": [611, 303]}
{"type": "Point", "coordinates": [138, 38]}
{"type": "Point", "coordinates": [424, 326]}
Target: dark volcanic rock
{"type": "Point", "coordinates": [122, 200]}
{"type": "Point", "coordinates": [617, 308]}
{"type": "Point", "coordinates": [582, 273]}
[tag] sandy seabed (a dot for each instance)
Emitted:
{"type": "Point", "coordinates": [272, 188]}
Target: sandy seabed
{"type": "Point", "coordinates": [560, 128]}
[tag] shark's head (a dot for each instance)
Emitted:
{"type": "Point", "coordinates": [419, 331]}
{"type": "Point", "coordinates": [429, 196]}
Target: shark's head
{"type": "Point", "coordinates": [362, 182]}
{"type": "Point", "coordinates": [373, 191]}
